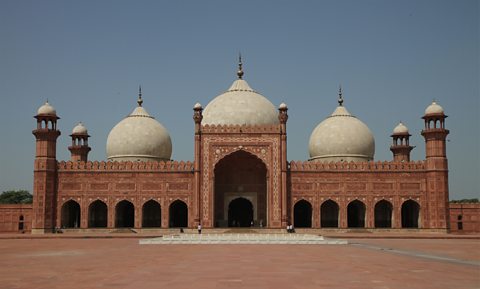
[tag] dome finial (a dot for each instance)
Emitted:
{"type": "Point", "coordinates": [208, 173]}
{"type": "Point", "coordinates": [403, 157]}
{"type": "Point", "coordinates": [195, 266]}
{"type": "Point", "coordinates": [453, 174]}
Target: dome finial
{"type": "Point", "coordinates": [140, 100]}
{"type": "Point", "coordinates": [340, 97]}
{"type": "Point", "coordinates": [240, 69]}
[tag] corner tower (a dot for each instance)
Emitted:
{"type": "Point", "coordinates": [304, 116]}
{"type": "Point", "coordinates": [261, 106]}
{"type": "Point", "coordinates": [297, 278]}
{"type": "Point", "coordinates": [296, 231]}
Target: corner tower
{"type": "Point", "coordinates": [437, 166]}
{"type": "Point", "coordinates": [45, 170]}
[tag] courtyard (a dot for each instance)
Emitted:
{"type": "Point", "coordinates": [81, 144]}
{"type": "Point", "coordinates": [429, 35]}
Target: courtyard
{"type": "Point", "coordinates": [64, 262]}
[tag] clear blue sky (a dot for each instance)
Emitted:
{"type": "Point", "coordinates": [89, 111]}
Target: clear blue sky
{"type": "Point", "coordinates": [88, 58]}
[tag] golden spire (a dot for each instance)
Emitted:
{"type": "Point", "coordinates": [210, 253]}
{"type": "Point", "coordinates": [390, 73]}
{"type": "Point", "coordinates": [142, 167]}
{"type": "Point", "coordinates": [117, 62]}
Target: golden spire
{"type": "Point", "coordinates": [240, 69]}
{"type": "Point", "coordinates": [340, 97]}
{"type": "Point", "coordinates": [140, 100]}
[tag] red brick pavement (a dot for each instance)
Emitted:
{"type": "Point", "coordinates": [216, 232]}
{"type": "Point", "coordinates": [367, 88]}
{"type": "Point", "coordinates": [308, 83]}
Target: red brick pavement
{"type": "Point", "coordinates": [123, 263]}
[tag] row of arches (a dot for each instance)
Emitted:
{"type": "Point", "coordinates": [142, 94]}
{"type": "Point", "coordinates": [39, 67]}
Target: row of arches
{"type": "Point", "coordinates": [124, 214]}
{"type": "Point", "coordinates": [329, 214]}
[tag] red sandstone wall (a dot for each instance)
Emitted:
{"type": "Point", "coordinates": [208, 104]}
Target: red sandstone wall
{"type": "Point", "coordinates": [135, 182]}
{"type": "Point", "coordinates": [465, 218]}
{"type": "Point", "coordinates": [10, 218]}
{"type": "Point", "coordinates": [367, 182]}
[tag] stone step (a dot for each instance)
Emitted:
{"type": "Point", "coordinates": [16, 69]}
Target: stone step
{"type": "Point", "coordinates": [233, 238]}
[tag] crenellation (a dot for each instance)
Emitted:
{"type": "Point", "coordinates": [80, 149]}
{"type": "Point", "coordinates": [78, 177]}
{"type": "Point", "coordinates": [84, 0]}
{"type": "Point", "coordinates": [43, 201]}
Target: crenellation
{"type": "Point", "coordinates": [106, 166]}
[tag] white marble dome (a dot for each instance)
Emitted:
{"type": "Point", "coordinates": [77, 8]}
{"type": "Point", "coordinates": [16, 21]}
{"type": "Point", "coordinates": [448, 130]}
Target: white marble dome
{"type": "Point", "coordinates": [400, 129]}
{"type": "Point", "coordinates": [341, 137]}
{"type": "Point", "coordinates": [46, 109]}
{"type": "Point", "coordinates": [434, 108]}
{"type": "Point", "coordinates": [79, 129]}
{"type": "Point", "coordinates": [139, 137]}
{"type": "Point", "coordinates": [239, 105]}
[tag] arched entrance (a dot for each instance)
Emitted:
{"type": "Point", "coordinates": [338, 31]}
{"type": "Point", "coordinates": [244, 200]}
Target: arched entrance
{"type": "Point", "coordinates": [97, 215]}
{"type": "Point", "coordinates": [240, 213]}
{"type": "Point", "coordinates": [178, 213]}
{"type": "Point", "coordinates": [410, 214]}
{"type": "Point", "coordinates": [124, 215]}
{"type": "Point", "coordinates": [302, 214]}
{"type": "Point", "coordinates": [151, 214]}
{"type": "Point", "coordinates": [383, 214]}
{"type": "Point", "coordinates": [329, 214]}
{"type": "Point", "coordinates": [356, 214]}
{"type": "Point", "coordinates": [71, 215]}
{"type": "Point", "coordinates": [240, 175]}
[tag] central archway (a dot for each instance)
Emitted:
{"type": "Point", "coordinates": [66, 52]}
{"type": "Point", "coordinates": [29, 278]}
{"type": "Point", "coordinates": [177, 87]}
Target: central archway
{"type": "Point", "coordinates": [240, 175]}
{"type": "Point", "coordinates": [240, 213]}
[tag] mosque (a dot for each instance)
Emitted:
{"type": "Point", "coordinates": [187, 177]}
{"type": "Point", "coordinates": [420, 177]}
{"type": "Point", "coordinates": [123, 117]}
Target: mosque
{"type": "Point", "coordinates": [240, 175]}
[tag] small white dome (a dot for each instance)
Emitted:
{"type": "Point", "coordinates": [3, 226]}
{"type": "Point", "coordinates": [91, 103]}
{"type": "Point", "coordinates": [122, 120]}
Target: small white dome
{"type": "Point", "coordinates": [46, 109]}
{"type": "Point", "coordinates": [341, 137]}
{"type": "Point", "coordinates": [79, 129]}
{"type": "Point", "coordinates": [282, 105]}
{"type": "Point", "coordinates": [239, 105]}
{"type": "Point", "coordinates": [400, 129]}
{"type": "Point", "coordinates": [139, 137]}
{"type": "Point", "coordinates": [434, 108]}
{"type": "Point", "coordinates": [197, 105]}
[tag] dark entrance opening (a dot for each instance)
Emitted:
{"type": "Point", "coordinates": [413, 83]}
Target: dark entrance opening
{"type": "Point", "coordinates": [383, 214]}
{"type": "Point", "coordinates": [178, 214]}
{"type": "Point", "coordinates": [410, 213]}
{"type": "Point", "coordinates": [302, 214]}
{"type": "Point", "coordinates": [20, 223]}
{"type": "Point", "coordinates": [238, 175]}
{"type": "Point", "coordinates": [97, 215]}
{"type": "Point", "coordinates": [329, 214]}
{"type": "Point", "coordinates": [356, 214]}
{"type": "Point", "coordinates": [124, 215]}
{"type": "Point", "coordinates": [71, 215]}
{"type": "Point", "coordinates": [240, 213]}
{"type": "Point", "coordinates": [151, 214]}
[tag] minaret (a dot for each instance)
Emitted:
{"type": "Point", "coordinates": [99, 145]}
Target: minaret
{"type": "Point", "coordinates": [79, 148]}
{"type": "Point", "coordinates": [436, 166]}
{"type": "Point", "coordinates": [283, 117]}
{"type": "Point", "coordinates": [197, 118]}
{"type": "Point", "coordinates": [45, 170]}
{"type": "Point", "coordinates": [401, 147]}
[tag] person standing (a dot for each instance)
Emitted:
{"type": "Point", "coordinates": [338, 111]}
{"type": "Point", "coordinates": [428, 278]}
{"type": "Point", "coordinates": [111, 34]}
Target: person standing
{"type": "Point", "coordinates": [199, 228]}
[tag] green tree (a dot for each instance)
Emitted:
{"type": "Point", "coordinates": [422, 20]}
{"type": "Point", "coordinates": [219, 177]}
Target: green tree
{"type": "Point", "coordinates": [475, 200]}
{"type": "Point", "coordinates": [16, 197]}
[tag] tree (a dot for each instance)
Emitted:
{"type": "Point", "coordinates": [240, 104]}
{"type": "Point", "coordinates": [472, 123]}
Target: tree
{"type": "Point", "coordinates": [16, 197]}
{"type": "Point", "coordinates": [475, 200]}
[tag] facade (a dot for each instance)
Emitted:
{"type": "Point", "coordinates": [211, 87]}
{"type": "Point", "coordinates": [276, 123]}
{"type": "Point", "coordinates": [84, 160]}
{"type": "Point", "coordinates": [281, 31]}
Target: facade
{"type": "Point", "coordinates": [240, 175]}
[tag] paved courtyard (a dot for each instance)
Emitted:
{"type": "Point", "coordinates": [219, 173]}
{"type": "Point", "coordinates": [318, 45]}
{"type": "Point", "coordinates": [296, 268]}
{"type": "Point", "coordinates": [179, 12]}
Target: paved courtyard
{"type": "Point", "coordinates": [123, 263]}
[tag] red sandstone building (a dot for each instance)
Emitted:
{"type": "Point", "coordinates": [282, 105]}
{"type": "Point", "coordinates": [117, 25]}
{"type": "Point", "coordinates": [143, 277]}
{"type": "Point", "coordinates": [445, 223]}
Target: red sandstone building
{"type": "Point", "coordinates": [240, 175]}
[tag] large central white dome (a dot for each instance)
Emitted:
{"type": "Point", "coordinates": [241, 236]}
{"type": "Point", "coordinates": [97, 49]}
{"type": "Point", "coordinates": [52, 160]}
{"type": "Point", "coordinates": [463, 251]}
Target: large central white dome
{"type": "Point", "coordinates": [239, 105]}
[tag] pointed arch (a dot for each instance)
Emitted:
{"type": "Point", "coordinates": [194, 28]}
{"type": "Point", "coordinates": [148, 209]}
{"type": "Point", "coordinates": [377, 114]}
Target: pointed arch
{"type": "Point", "coordinates": [329, 211]}
{"type": "Point", "coordinates": [410, 214]}
{"type": "Point", "coordinates": [151, 214]}
{"type": "Point", "coordinates": [240, 174]}
{"type": "Point", "coordinates": [124, 214]}
{"type": "Point", "coordinates": [356, 214]}
{"type": "Point", "coordinates": [97, 214]}
{"type": "Point", "coordinates": [383, 214]}
{"type": "Point", "coordinates": [240, 213]}
{"type": "Point", "coordinates": [178, 214]}
{"type": "Point", "coordinates": [70, 215]}
{"type": "Point", "coordinates": [302, 214]}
